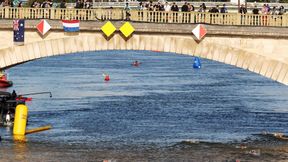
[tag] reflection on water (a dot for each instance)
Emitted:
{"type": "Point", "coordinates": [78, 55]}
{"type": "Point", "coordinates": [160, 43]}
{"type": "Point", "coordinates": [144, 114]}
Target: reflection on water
{"type": "Point", "coordinates": [110, 160]}
{"type": "Point", "coordinates": [19, 138]}
{"type": "Point", "coordinates": [20, 149]}
{"type": "Point", "coordinates": [162, 110]}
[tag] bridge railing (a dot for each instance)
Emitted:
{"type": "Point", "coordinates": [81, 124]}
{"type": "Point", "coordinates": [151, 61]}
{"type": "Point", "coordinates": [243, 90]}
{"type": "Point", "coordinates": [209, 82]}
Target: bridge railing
{"type": "Point", "coordinates": [145, 16]}
{"type": "Point", "coordinates": [209, 18]}
{"type": "Point", "coordinates": [58, 13]}
{"type": "Point", "coordinates": [2, 13]}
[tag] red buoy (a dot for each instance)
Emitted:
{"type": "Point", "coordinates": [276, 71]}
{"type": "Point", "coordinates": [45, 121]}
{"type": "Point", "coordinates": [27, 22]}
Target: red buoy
{"type": "Point", "coordinates": [106, 77]}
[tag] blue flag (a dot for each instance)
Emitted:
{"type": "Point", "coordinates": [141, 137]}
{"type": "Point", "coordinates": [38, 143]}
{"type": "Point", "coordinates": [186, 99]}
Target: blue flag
{"type": "Point", "coordinates": [19, 28]}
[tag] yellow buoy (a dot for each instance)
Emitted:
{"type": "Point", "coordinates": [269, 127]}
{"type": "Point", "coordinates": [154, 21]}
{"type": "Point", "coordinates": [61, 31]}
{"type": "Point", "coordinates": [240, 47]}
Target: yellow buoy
{"type": "Point", "coordinates": [20, 120]}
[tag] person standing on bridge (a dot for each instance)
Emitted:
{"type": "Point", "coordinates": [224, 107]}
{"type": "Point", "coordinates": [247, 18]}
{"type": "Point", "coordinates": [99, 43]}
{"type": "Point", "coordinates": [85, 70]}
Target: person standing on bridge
{"type": "Point", "coordinates": [79, 4]}
{"type": "Point", "coordinates": [63, 4]}
{"type": "Point", "coordinates": [185, 17]}
{"type": "Point", "coordinates": [184, 8]}
{"type": "Point", "coordinates": [264, 11]}
{"type": "Point", "coordinates": [174, 8]}
{"type": "Point", "coordinates": [127, 10]}
{"type": "Point", "coordinates": [281, 10]}
{"type": "Point", "coordinates": [224, 9]}
{"type": "Point", "coordinates": [87, 4]}
{"type": "Point", "coordinates": [202, 8]}
{"type": "Point", "coordinates": [167, 8]}
{"type": "Point", "coordinates": [243, 11]}
{"type": "Point", "coordinates": [255, 12]}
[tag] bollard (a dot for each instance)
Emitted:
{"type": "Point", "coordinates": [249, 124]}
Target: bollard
{"type": "Point", "coordinates": [20, 120]}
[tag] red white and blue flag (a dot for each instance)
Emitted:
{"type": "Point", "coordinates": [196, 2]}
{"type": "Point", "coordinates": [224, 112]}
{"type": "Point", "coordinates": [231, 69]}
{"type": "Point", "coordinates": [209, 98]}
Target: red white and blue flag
{"type": "Point", "coordinates": [71, 25]}
{"type": "Point", "coordinates": [18, 31]}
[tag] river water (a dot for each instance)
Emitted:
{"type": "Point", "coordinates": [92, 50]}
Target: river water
{"type": "Point", "coordinates": [163, 110]}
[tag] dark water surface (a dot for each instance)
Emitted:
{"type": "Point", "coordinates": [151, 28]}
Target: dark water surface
{"type": "Point", "coordinates": [163, 110]}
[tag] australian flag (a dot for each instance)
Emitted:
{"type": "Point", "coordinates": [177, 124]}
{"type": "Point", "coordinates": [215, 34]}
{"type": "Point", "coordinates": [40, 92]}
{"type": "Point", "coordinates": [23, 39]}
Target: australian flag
{"type": "Point", "coordinates": [19, 28]}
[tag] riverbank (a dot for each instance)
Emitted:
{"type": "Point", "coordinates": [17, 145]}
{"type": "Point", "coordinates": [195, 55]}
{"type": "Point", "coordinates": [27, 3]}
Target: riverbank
{"type": "Point", "coordinates": [183, 151]}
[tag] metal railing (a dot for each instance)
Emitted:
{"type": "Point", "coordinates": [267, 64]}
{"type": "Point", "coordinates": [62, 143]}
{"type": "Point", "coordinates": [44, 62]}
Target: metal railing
{"type": "Point", "coordinates": [145, 16]}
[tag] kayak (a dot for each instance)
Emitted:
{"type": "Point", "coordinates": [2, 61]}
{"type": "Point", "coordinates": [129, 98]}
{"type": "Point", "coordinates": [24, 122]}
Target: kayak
{"type": "Point", "coordinates": [136, 63]}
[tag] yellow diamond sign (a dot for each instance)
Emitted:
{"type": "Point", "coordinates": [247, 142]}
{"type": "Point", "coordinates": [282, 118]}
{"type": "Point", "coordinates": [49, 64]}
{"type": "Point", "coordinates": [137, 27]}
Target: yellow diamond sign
{"type": "Point", "coordinates": [127, 29]}
{"type": "Point", "coordinates": [108, 29]}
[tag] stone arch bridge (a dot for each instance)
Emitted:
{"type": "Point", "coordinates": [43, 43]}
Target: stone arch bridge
{"type": "Point", "coordinates": [262, 50]}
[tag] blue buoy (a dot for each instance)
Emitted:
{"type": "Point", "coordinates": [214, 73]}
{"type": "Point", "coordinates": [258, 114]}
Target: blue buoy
{"type": "Point", "coordinates": [197, 63]}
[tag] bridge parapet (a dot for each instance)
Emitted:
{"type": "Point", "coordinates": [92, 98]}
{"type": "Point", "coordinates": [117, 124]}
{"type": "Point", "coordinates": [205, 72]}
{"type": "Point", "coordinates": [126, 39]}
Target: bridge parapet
{"type": "Point", "coordinates": [145, 16]}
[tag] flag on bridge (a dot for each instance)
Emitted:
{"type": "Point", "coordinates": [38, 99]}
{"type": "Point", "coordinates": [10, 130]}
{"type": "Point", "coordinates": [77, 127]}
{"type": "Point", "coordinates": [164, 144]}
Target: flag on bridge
{"type": "Point", "coordinates": [71, 25]}
{"type": "Point", "coordinates": [199, 31]}
{"type": "Point", "coordinates": [18, 31]}
{"type": "Point", "coordinates": [43, 27]}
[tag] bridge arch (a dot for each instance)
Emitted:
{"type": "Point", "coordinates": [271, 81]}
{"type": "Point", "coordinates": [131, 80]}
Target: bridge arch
{"type": "Point", "coordinates": [274, 69]}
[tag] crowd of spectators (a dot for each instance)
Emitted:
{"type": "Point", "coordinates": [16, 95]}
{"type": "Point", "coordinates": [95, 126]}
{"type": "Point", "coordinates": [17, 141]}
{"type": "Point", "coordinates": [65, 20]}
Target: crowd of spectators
{"type": "Point", "coordinates": [4, 3]}
{"type": "Point", "coordinates": [187, 7]}
{"type": "Point", "coordinates": [84, 4]}
{"type": "Point", "coordinates": [34, 4]}
{"type": "Point", "coordinates": [155, 6]}
{"type": "Point", "coordinates": [266, 9]}
{"type": "Point", "coordinates": [45, 4]}
{"type": "Point", "coordinates": [160, 6]}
